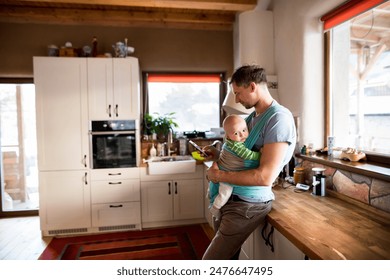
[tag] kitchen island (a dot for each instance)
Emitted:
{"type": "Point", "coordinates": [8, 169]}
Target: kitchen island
{"type": "Point", "coordinates": [330, 227]}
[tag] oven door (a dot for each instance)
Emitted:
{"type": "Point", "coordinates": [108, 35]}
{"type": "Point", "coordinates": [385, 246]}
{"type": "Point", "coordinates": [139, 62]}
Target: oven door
{"type": "Point", "coordinates": [114, 149]}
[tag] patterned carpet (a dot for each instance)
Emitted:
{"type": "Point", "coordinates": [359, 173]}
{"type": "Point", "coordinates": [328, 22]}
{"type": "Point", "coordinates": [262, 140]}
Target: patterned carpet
{"type": "Point", "coordinates": [176, 243]}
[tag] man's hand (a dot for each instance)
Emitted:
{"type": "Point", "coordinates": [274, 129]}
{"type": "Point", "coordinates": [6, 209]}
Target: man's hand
{"type": "Point", "coordinates": [212, 173]}
{"type": "Point", "coordinates": [212, 153]}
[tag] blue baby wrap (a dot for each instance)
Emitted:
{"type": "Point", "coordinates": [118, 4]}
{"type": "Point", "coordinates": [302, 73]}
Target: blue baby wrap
{"type": "Point", "coordinates": [249, 193]}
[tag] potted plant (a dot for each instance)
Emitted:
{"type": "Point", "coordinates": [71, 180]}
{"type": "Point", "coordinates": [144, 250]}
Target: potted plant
{"type": "Point", "coordinates": [159, 124]}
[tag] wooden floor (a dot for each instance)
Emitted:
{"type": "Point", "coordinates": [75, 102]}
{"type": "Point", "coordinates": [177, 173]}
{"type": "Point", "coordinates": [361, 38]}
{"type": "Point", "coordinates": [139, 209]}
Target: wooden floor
{"type": "Point", "coordinates": [20, 239]}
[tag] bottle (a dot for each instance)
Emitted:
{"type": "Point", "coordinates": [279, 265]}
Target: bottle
{"type": "Point", "coordinates": [159, 149]}
{"type": "Point", "coordinates": [94, 46]}
{"type": "Point", "coordinates": [153, 151]}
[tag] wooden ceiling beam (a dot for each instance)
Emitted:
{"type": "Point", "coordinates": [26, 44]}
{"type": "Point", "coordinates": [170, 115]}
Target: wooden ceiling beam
{"type": "Point", "coordinates": [151, 18]}
{"type": "Point", "coordinates": [217, 5]}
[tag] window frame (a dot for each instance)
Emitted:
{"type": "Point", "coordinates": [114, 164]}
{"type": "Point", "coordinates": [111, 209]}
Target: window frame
{"type": "Point", "coordinates": [18, 213]}
{"type": "Point", "coordinates": [373, 158]}
{"type": "Point", "coordinates": [145, 95]}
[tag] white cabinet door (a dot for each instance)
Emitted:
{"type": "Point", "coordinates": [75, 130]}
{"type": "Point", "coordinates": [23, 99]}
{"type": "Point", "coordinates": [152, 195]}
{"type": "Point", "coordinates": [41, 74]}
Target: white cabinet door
{"type": "Point", "coordinates": [172, 200]}
{"type": "Point", "coordinates": [126, 100]}
{"type": "Point", "coordinates": [113, 88]}
{"type": "Point", "coordinates": [115, 191]}
{"type": "Point", "coordinates": [100, 88]}
{"type": "Point", "coordinates": [247, 249]}
{"type": "Point", "coordinates": [116, 214]}
{"type": "Point", "coordinates": [62, 120]}
{"type": "Point", "coordinates": [115, 198]}
{"type": "Point", "coordinates": [156, 201]}
{"type": "Point", "coordinates": [188, 195]}
{"type": "Point", "coordinates": [283, 249]}
{"type": "Point", "coordinates": [64, 201]}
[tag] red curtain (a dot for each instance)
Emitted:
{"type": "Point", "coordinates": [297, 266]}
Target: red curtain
{"type": "Point", "coordinates": [184, 78]}
{"type": "Point", "coordinates": [347, 11]}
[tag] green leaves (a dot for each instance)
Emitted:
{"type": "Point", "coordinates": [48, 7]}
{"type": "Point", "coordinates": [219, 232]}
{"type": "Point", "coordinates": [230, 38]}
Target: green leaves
{"type": "Point", "coordinates": [160, 124]}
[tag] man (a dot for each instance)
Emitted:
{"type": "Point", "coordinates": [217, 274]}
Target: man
{"type": "Point", "coordinates": [273, 131]}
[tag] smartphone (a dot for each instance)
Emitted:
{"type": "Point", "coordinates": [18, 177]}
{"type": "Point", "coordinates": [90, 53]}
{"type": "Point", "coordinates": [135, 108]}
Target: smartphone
{"type": "Point", "coordinates": [198, 148]}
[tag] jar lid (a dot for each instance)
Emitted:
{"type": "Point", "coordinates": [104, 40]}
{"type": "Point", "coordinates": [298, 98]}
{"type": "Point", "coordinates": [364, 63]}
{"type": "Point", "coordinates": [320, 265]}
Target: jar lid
{"type": "Point", "coordinates": [318, 169]}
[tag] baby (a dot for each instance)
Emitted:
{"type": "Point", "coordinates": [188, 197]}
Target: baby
{"type": "Point", "coordinates": [232, 157]}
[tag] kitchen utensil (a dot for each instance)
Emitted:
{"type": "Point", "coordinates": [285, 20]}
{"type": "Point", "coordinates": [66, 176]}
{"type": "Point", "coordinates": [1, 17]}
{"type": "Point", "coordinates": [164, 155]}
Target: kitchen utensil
{"type": "Point", "coordinates": [318, 181]}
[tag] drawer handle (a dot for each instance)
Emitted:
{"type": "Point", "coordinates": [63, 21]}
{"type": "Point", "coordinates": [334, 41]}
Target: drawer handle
{"type": "Point", "coordinates": [114, 174]}
{"type": "Point", "coordinates": [109, 110]}
{"type": "Point", "coordinates": [114, 183]}
{"type": "Point", "coordinates": [116, 206]}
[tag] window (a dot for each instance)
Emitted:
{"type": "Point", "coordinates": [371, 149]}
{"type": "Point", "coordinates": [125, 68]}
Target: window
{"type": "Point", "coordinates": [359, 80]}
{"type": "Point", "coordinates": [194, 98]}
{"type": "Point", "coordinates": [19, 172]}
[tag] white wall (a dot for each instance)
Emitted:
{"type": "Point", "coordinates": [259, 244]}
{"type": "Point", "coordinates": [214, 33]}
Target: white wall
{"type": "Point", "coordinates": [296, 58]}
{"type": "Point", "coordinates": [299, 62]}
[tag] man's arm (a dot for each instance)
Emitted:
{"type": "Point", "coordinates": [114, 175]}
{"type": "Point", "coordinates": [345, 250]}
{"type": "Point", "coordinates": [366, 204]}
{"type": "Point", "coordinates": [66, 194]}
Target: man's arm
{"type": "Point", "coordinates": [271, 157]}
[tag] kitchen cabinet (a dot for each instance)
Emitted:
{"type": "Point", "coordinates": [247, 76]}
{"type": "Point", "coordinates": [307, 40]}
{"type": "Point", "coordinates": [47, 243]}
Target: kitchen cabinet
{"type": "Point", "coordinates": [62, 101]}
{"type": "Point", "coordinates": [172, 199]}
{"type": "Point", "coordinates": [62, 138]}
{"type": "Point", "coordinates": [247, 249]}
{"type": "Point", "coordinates": [115, 198]}
{"type": "Point", "coordinates": [64, 198]}
{"type": "Point", "coordinates": [113, 88]}
{"type": "Point", "coordinates": [62, 113]}
{"type": "Point", "coordinates": [278, 246]}
{"type": "Point", "coordinates": [207, 214]}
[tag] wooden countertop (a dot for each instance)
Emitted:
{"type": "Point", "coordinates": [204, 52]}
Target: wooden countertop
{"type": "Point", "coordinates": [330, 227]}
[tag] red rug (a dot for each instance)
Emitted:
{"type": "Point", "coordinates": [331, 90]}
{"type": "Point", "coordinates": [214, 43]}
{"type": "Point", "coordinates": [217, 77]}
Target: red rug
{"type": "Point", "coordinates": [177, 243]}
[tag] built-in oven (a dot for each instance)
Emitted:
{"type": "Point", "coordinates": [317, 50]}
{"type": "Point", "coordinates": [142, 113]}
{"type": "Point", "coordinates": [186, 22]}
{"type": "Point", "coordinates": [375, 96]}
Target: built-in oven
{"type": "Point", "coordinates": [115, 144]}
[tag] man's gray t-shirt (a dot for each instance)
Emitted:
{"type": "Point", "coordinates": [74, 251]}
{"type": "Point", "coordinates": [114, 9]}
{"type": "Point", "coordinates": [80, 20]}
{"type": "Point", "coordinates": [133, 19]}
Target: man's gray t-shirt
{"type": "Point", "coordinates": [279, 128]}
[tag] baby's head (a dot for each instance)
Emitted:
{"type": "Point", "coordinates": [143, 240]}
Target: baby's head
{"type": "Point", "coordinates": [235, 128]}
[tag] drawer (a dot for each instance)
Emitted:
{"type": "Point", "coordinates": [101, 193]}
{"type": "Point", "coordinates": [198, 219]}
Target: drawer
{"type": "Point", "coordinates": [116, 214]}
{"type": "Point", "coordinates": [115, 191]}
{"type": "Point", "coordinates": [114, 173]}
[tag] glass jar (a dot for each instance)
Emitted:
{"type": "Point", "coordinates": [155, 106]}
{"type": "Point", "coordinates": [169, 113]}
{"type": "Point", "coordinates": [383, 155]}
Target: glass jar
{"type": "Point", "coordinates": [299, 175]}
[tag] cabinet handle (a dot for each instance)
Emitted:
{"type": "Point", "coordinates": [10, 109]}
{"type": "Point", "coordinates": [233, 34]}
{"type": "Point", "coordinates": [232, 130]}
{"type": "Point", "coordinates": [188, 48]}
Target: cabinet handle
{"type": "Point", "coordinates": [85, 178]}
{"type": "Point", "coordinates": [169, 188]}
{"type": "Point", "coordinates": [175, 187]}
{"type": "Point", "coordinates": [85, 160]}
{"type": "Point", "coordinates": [116, 110]}
{"type": "Point", "coordinates": [114, 183]}
{"type": "Point", "coordinates": [114, 174]}
{"type": "Point", "coordinates": [109, 110]}
{"type": "Point", "coordinates": [116, 206]}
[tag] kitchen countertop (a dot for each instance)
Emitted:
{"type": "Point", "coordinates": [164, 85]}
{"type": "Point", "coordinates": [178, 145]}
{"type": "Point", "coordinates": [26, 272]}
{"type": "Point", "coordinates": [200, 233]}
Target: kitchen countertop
{"type": "Point", "coordinates": [331, 227]}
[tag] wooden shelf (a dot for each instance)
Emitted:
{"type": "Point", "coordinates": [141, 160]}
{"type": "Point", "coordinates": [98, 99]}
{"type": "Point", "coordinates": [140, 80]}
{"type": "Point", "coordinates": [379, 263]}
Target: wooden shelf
{"type": "Point", "coordinates": [379, 171]}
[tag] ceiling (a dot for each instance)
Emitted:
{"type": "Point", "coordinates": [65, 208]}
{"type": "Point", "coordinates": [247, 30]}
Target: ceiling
{"type": "Point", "coordinates": [187, 14]}
{"type": "Point", "coordinates": [371, 28]}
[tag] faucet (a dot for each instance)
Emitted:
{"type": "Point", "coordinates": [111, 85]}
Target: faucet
{"type": "Point", "coordinates": [169, 144]}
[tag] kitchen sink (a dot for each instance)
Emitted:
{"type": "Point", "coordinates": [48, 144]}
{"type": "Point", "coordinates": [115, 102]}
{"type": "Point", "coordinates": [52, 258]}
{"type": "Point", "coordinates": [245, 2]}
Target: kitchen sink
{"type": "Point", "coordinates": [171, 165]}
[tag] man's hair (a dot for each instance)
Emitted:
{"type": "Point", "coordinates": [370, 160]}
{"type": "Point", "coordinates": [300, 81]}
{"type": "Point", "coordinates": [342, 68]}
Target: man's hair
{"type": "Point", "coordinates": [247, 74]}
